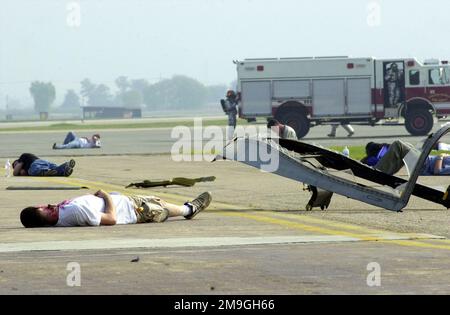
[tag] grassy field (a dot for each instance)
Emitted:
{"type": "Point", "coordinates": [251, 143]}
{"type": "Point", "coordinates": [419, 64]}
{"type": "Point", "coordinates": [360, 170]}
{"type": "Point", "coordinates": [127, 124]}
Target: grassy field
{"type": "Point", "coordinates": [358, 152]}
{"type": "Point", "coordinates": [118, 125]}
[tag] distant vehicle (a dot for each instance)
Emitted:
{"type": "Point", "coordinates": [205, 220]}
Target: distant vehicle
{"type": "Point", "coordinates": [306, 92]}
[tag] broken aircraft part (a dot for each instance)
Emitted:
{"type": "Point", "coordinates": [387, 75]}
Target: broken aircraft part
{"type": "Point", "coordinates": [325, 169]}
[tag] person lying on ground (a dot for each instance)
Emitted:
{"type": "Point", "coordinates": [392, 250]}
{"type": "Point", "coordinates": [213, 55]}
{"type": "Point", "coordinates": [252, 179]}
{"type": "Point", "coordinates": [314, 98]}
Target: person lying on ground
{"type": "Point", "coordinates": [73, 142]}
{"type": "Point", "coordinates": [30, 165]}
{"type": "Point", "coordinates": [388, 158]}
{"type": "Point", "coordinates": [104, 208]}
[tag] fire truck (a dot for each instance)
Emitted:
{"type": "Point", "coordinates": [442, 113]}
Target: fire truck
{"type": "Point", "coordinates": [306, 92]}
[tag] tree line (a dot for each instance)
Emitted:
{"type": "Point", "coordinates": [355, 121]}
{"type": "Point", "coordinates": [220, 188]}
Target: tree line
{"type": "Point", "coordinates": [178, 92]}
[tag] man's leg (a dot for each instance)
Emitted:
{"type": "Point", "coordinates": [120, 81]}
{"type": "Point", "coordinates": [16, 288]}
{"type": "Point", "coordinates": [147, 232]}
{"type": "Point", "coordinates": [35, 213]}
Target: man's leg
{"type": "Point", "coordinates": [349, 129]}
{"type": "Point", "coordinates": [392, 161]}
{"type": "Point", "coordinates": [69, 137]}
{"type": "Point", "coordinates": [190, 209]}
{"type": "Point", "coordinates": [231, 125]}
{"type": "Point", "coordinates": [42, 168]}
{"type": "Point", "coordinates": [75, 144]}
{"type": "Point", "coordinates": [149, 209]}
{"type": "Point", "coordinates": [154, 209]}
{"type": "Point", "coordinates": [333, 130]}
{"type": "Point", "coordinates": [65, 169]}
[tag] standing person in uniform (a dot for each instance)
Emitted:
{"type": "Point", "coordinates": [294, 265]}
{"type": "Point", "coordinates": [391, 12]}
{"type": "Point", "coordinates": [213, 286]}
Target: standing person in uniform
{"type": "Point", "coordinates": [229, 106]}
{"type": "Point", "coordinates": [344, 125]}
{"type": "Point", "coordinates": [393, 79]}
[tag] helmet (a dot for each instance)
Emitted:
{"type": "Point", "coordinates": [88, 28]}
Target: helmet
{"type": "Point", "coordinates": [230, 93]}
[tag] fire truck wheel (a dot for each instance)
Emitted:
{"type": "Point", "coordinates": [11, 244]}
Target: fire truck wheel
{"type": "Point", "coordinates": [419, 122]}
{"type": "Point", "coordinates": [296, 120]}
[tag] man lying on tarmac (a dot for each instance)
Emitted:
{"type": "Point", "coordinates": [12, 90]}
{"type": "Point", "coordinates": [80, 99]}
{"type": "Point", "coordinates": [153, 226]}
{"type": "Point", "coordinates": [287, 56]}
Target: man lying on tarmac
{"type": "Point", "coordinates": [103, 208]}
{"type": "Point", "coordinates": [30, 165]}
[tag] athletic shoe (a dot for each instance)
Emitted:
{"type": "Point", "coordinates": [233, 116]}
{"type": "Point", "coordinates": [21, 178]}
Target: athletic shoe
{"type": "Point", "coordinates": [72, 163]}
{"type": "Point", "coordinates": [350, 134]}
{"type": "Point", "coordinates": [68, 168]}
{"type": "Point", "coordinates": [54, 146]}
{"type": "Point", "coordinates": [199, 204]}
{"type": "Point", "coordinates": [331, 135]}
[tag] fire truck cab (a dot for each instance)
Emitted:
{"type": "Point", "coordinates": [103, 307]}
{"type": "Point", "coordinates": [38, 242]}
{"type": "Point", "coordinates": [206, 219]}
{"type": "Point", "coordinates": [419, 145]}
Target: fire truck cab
{"type": "Point", "coordinates": [305, 92]}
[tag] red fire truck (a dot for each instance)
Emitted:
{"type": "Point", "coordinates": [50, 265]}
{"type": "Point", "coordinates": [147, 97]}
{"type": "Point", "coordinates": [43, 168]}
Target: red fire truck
{"type": "Point", "coordinates": [306, 92]}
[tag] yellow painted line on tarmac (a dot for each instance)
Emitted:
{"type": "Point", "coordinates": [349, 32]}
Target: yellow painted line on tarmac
{"type": "Point", "coordinates": [362, 237]}
{"type": "Point", "coordinates": [444, 241]}
{"type": "Point", "coordinates": [301, 226]}
{"type": "Point", "coordinates": [418, 244]}
{"type": "Point", "coordinates": [334, 224]}
{"type": "Point", "coordinates": [439, 242]}
{"type": "Point", "coordinates": [268, 218]}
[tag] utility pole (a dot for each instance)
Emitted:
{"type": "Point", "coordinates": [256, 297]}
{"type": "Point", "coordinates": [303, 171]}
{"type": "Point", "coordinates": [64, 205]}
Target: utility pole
{"type": "Point", "coordinates": [7, 103]}
{"type": "Point", "coordinates": [7, 107]}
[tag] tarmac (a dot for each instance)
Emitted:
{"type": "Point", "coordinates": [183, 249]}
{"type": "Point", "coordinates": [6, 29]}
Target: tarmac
{"type": "Point", "coordinates": [255, 238]}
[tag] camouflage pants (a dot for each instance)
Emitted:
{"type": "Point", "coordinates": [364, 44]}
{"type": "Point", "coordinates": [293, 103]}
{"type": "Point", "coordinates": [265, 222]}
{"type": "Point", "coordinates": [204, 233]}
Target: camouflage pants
{"type": "Point", "coordinates": [392, 161]}
{"type": "Point", "coordinates": [144, 214]}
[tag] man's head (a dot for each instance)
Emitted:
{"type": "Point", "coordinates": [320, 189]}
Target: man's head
{"type": "Point", "coordinates": [40, 216]}
{"type": "Point", "coordinates": [273, 123]}
{"type": "Point", "coordinates": [372, 148]}
{"type": "Point", "coordinates": [15, 163]}
{"type": "Point", "coordinates": [275, 126]}
{"type": "Point", "coordinates": [231, 94]}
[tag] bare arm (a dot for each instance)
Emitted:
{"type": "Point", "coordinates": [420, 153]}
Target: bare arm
{"type": "Point", "coordinates": [438, 164]}
{"type": "Point", "coordinates": [109, 217]}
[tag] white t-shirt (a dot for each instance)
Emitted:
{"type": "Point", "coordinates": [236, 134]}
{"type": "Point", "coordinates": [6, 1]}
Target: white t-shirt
{"type": "Point", "coordinates": [289, 133]}
{"type": "Point", "coordinates": [85, 143]}
{"type": "Point", "coordinates": [87, 210]}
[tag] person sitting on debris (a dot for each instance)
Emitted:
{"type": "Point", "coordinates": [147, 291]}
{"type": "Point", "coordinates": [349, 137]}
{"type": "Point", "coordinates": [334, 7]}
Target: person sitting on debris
{"type": "Point", "coordinates": [30, 165]}
{"type": "Point", "coordinates": [283, 131]}
{"type": "Point", "coordinates": [104, 208]}
{"type": "Point", "coordinates": [73, 142]}
{"type": "Point", "coordinates": [388, 158]}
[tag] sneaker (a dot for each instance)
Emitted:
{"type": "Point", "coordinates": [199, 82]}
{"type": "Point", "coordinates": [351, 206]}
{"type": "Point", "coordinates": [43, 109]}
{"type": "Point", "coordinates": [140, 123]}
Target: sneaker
{"type": "Point", "coordinates": [199, 204]}
{"type": "Point", "coordinates": [350, 134]}
{"type": "Point", "coordinates": [71, 163]}
{"type": "Point", "coordinates": [68, 168]}
{"type": "Point", "coordinates": [331, 135]}
{"type": "Point", "coordinates": [54, 146]}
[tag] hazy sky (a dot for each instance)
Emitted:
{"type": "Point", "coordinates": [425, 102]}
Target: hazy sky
{"type": "Point", "coordinates": [200, 38]}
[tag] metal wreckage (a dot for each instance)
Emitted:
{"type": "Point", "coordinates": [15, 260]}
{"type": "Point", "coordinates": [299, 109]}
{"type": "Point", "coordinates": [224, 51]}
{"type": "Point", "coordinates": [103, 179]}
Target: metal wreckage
{"type": "Point", "coordinates": [325, 172]}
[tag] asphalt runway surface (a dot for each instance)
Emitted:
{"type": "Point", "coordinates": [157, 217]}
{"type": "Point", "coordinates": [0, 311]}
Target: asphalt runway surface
{"type": "Point", "coordinates": [154, 141]}
{"type": "Point", "coordinates": [256, 237]}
